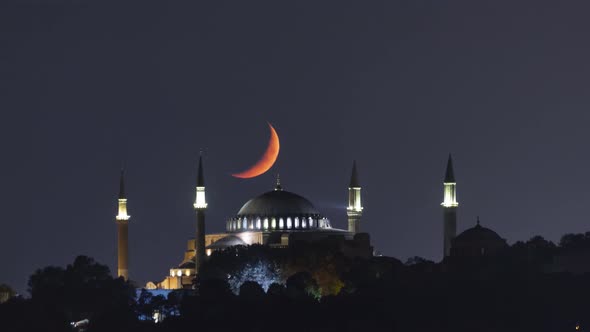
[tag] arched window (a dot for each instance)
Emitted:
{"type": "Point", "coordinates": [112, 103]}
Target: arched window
{"type": "Point", "coordinates": [303, 223]}
{"type": "Point", "coordinates": [289, 224]}
{"type": "Point", "coordinates": [281, 223]}
{"type": "Point", "coordinates": [296, 222]}
{"type": "Point", "coordinates": [311, 223]}
{"type": "Point", "coordinates": [274, 223]}
{"type": "Point", "coordinates": [258, 226]}
{"type": "Point", "coordinates": [251, 224]}
{"type": "Point", "coordinates": [245, 223]}
{"type": "Point", "coordinates": [265, 223]}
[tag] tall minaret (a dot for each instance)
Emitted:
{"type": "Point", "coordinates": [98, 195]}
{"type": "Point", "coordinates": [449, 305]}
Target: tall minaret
{"type": "Point", "coordinates": [449, 205]}
{"type": "Point", "coordinates": [200, 206]}
{"type": "Point", "coordinates": [122, 220]}
{"type": "Point", "coordinates": [355, 208]}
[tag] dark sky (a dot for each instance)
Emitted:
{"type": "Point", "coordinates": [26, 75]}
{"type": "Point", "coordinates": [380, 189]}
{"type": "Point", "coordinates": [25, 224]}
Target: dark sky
{"type": "Point", "coordinates": [88, 85]}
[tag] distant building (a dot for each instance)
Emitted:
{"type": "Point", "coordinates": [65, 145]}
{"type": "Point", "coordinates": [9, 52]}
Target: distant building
{"type": "Point", "coordinates": [473, 242]}
{"type": "Point", "coordinates": [5, 293]}
{"type": "Point", "coordinates": [477, 241]}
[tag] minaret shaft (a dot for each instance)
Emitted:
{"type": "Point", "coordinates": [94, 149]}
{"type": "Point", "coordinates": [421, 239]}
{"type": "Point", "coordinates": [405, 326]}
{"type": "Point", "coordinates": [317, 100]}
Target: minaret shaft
{"type": "Point", "coordinates": [122, 252]}
{"type": "Point", "coordinates": [200, 207]}
{"type": "Point", "coordinates": [450, 206]}
{"type": "Point", "coordinates": [200, 240]}
{"type": "Point", "coordinates": [122, 220]}
{"type": "Point", "coordinates": [449, 228]}
{"type": "Point", "coordinates": [354, 211]}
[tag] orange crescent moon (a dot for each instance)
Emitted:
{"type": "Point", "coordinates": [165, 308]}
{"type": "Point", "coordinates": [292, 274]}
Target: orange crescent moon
{"type": "Point", "coordinates": [266, 161]}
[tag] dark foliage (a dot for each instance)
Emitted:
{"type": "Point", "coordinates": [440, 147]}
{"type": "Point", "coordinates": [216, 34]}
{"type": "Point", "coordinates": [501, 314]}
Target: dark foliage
{"type": "Point", "coordinates": [518, 290]}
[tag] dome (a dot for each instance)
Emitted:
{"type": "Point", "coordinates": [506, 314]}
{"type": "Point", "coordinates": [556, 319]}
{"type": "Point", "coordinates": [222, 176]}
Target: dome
{"type": "Point", "coordinates": [277, 210]}
{"type": "Point", "coordinates": [477, 241]}
{"type": "Point", "coordinates": [278, 203]}
{"type": "Point", "coordinates": [478, 234]}
{"type": "Point", "coordinates": [226, 242]}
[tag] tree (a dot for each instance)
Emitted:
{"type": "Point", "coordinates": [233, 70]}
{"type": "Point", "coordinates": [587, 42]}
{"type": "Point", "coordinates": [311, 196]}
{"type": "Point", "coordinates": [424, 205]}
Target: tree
{"type": "Point", "coordinates": [575, 241]}
{"type": "Point", "coordinates": [84, 289]}
{"type": "Point", "coordinates": [251, 290]}
{"type": "Point", "coordinates": [302, 285]}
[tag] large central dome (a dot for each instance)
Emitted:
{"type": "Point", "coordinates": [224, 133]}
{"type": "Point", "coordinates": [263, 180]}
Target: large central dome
{"type": "Point", "coordinates": [277, 210]}
{"type": "Point", "coordinates": [278, 203]}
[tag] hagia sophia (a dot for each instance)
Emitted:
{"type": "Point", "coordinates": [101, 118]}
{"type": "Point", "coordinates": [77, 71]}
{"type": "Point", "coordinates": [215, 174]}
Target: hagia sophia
{"type": "Point", "coordinates": [278, 218]}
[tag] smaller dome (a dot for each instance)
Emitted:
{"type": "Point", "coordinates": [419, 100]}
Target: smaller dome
{"type": "Point", "coordinates": [226, 242]}
{"type": "Point", "coordinates": [477, 241]}
{"type": "Point", "coordinates": [478, 234]}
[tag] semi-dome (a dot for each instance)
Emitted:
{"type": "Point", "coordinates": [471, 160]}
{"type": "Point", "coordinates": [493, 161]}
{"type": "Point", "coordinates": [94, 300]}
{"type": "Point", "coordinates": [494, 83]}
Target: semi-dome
{"type": "Point", "coordinates": [278, 203]}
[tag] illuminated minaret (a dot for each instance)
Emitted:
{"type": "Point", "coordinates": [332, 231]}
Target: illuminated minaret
{"type": "Point", "coordinates": [355, 208]}
{"type": "Point", "coordinates": [449, 205]}
{"type": "Point", "coordinates": [122, 220]}
{"type": "Point", "coordinates": [200, 206]}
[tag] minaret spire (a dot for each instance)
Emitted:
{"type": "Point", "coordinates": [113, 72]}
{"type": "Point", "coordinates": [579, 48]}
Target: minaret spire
{"type": "Point", "coordinates": [122, 220]}
{"type": "Point", "coordinates": [355, 208]}
{"type": "Point", "coordinates": [122, 184]}
{"type": "Point", "coordinates": [354, 178]}
{"type": "Point", "coordinates": [200, 206]}
{"type": "Point", "coordinates": [449, 205]}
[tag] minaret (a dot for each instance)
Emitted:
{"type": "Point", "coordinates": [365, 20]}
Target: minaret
{"type": "Point", "coordinates": [200, 206]}
{"type": "Point", "coordinates": [449, 205]}
{"type": "Point", "coordinates": [355, 208]}
{"type": "Point", "coordinates": [122, 220]}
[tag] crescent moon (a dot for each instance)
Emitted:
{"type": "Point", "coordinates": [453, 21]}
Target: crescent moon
{"type": "Point", "coordinates": [266, 161]}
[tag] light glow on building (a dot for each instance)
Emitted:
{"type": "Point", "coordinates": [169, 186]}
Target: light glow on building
{"type": "Point", "coordinates": [450, 195]}
{"type": "Point", "coordinates": [354, 200]}
{"type": "Point", "coordinates": [122, 215]}
{"type": "Point", "coordinates": [200, 202]}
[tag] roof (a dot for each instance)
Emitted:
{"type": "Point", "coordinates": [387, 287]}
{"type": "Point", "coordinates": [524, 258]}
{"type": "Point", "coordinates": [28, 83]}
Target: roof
{"type": "Point", "coordinates": [187, 265]}
{"type": "Point", "coordinates": [450, 174]}
{"type": "Point", "coordinates": [200, 177]}
{"type": "Point", "coordinates": [228, 241]}
{"type": "Point", "coordinates": [122, 185]}
{"type": "Point", "coordinates": [278, 203]}
{"type": "Point", "coordinates": [478, 234]}
{"type": "Point", "coordinates": [354, 178]}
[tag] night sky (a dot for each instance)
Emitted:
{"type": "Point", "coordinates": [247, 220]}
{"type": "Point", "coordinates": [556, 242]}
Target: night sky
{"type": "Point", "coordinates": [86, 86]}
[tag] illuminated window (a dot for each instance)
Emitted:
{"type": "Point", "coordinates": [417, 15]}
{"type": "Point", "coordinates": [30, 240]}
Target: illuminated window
{"type": "Point", "coordinates": [265, 224]}
{"type": "Point", "coordinates": [281, 223]}
{"type": "Point", "coordinates": [251, 224]}
{"type": "Point", "coordinates": [303, 223]}
{"type": "Point", "coordinates": [289, 223]}
{"type": "Point", "coordinates": [296, 222]}
{"type": "Point", "coordinates": [258, 226]}
{"type": "Point", "coordinates": [274, 223]}
{"type": "Point", "coordinates": [311, 223]}
{"type": "Point", "coordinates": [178, 273]}
{"type": "Point", "coordinates": [245, 223]}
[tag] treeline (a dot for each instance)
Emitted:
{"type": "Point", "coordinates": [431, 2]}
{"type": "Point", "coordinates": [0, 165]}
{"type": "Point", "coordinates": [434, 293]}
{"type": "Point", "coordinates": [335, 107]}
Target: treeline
{"type": "Point", "coordinates": [312, 287]}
